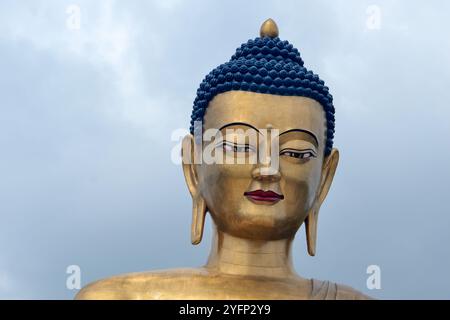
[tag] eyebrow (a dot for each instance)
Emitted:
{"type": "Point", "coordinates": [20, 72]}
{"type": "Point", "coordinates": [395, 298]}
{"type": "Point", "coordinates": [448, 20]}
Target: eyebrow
{"type": "Point", "coordinates": [304, 131]}
{"type": "Point", "coordinates": [239, 124]}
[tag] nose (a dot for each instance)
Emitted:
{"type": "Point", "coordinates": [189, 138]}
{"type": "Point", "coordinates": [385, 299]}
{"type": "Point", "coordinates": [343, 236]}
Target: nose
{"type": "Point", "coordinates": [266, 173]}
{"type": "Point", "coordinates": [268, 170]}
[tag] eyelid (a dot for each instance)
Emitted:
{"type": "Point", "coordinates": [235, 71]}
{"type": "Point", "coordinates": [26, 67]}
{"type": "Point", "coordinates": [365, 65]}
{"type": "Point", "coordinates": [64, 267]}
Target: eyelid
{"type": "Point", "coordinates": [313, 152]}
{"type": "Point", "coordinates": [297, 144]}
{"type": "Point", "coordinates": [233, 144]}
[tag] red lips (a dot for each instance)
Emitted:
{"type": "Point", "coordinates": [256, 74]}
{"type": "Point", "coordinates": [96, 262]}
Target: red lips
{"type": "Point", "coordinates": [261, 195]}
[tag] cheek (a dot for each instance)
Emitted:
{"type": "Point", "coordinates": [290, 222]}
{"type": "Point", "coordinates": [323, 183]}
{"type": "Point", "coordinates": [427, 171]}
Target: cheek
{"type": "Point", "coordinates": [300, 183]}
{"type": "Point", "coordinates": [224, 185]}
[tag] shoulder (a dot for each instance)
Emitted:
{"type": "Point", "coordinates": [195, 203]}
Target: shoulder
{"type": "Point", "coordinates": [326, 290]}
{"type": "Point", "coordinates": [347, 293]}
{"type": "Point", "coordinates": [105, 289]}
{"type": "Point", "coordinates": [138, 285]}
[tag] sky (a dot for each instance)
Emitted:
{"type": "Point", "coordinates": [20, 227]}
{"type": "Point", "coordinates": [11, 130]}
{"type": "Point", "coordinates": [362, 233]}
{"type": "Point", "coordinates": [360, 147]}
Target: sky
{"type": "Point", "coordinates": [91, 92]}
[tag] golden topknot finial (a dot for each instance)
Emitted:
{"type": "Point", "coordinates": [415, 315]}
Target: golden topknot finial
{"type": "Point", "coordinates": [269, 29]}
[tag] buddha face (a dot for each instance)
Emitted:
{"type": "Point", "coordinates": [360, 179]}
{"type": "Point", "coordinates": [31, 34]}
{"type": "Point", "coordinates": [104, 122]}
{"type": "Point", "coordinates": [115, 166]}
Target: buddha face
{"type": "Point", "coordinates": [261, 199]}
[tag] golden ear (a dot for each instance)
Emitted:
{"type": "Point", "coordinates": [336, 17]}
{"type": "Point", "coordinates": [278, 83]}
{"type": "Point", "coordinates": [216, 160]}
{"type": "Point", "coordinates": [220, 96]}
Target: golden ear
{"type": "Point", "coordinates": [328, 171]}
{"type": "Point", "coordinates": [198, 203]}
{"type": "Point", "coordinates": [198, 219]}
{"type": "Point", "coordinates": [311, 230]}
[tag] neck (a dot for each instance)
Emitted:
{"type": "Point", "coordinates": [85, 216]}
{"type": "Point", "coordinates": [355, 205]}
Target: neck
{"type": "Point", "coordinates": [249, 257]}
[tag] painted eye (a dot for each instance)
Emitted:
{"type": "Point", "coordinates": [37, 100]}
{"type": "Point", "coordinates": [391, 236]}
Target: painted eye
{"type": "Point", "coordinates": [227, 148]}
{"type": "Point", "coordinates": [231, 147]}
{"type": "Point", "coordinates": [307, 155]}
{"type": "Point", "coordinates": [241, 149]}
{"type": "Point", "coordinates": [298, 154]}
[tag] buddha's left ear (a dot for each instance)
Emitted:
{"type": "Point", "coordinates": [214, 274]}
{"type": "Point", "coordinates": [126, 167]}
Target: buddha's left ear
{"type": "Point", "coordinates": [190, 174]}
{"type": "Point", "coordinates": [328, 170]}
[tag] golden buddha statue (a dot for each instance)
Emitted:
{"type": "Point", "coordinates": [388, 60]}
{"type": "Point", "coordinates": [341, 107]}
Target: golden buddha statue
{"type": "Point", "coordinates": [263, 94]}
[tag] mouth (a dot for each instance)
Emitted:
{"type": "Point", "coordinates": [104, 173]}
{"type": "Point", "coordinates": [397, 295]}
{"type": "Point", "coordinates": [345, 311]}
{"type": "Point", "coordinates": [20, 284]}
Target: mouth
{"type": "Point", "coordinates": [264, 196]}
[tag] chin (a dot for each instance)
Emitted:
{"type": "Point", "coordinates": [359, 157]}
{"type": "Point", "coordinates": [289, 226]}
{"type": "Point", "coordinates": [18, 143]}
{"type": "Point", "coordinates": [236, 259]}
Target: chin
{"type": "Point", "coordinates": [266, 224]}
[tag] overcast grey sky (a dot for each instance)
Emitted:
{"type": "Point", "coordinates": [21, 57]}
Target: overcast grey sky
{"type": "Point", "coordinates": [86, 117]}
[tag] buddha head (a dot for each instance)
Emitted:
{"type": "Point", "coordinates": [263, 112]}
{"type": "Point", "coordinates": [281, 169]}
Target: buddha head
{"type": "Point", "coordinates": [273, 127]}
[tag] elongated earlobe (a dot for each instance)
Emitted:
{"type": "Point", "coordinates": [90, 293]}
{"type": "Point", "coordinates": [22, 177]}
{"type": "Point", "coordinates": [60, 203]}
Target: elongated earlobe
{"type": "Point", "coordinates": [198, 203]}
{"type": "Point", "coordinates": [328, 171]}
{"type": "Point", "coordinates": [198, 219]}
{"type": "Point", "coordinates": [311, 230]}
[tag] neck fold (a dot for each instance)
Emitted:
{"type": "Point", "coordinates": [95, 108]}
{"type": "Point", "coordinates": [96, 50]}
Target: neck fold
{"type": "Point", "coordinates": [249, 257]}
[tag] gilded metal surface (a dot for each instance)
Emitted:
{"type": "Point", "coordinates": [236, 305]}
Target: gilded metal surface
{"type": "Point", "coordinates": [269, 29]}
{"type": "Point", "coordinates": [251, 252]}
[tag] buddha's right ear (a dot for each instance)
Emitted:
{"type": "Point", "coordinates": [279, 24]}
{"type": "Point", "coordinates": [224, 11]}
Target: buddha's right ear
{"type": "Point", "coordinates": [190, 174]}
